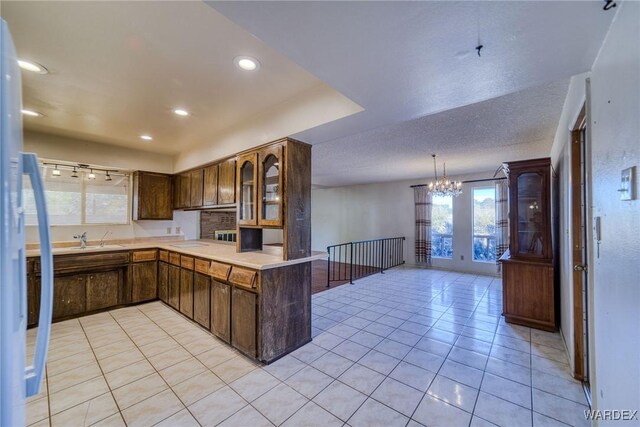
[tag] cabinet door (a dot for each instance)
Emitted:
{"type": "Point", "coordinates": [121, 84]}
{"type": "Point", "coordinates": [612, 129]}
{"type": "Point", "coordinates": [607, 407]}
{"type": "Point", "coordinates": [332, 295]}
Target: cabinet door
{"type": "Point", "coordinates": [33, 299]}
{"type": "Point", "coordinates": [174, 287]}
{"type": "Point", "coordinates": [227, 182]}
{"type": "Point", "coordinates": [270, 197]}
{"type": "Point", "coordinates": [210, 191]}
{"type": "Point", "coordinates": [185, 190]}
{"type": "Point", "coordinates": [186, 292]}
{"type": "Point", "coordinates": [152, 196]}
{"type": "Point", "coordinates": [247, 189]}
{"type": "Point", "coordinates": [530, 213]}
{"type": "Point", "coordinates": [102, 289]}
{"type": "Point", "coordinates": [243, 322]}
{"type": "Point", "coordinates": [196, 178]}
{"type": "Point", "coordinates": [69, 295]}
{"type": "Point", "coordinates": [221, 310]}
{"type": "Point", "coordinates": [177, 187]}
{"type": "Point", "coordinates": [163, 281]}
{"type": "Point", "coordinates": [145, 281]}
{"type": "Point", "coordinates": [201, 299]}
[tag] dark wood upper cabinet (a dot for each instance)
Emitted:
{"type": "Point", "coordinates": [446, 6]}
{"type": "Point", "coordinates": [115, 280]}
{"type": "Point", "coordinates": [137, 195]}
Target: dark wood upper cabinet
{"type": "Point", "coordinates": [210, 191]}
{"type": "Point", "coordinates": [196, 192]}
{"type": "Point", "coordinates": [227, 182]}
{"type": "Point", "coordinates": [185, 190]}
{"type": "Point", "coordinates": [247, 181]}
{"type": "Point", "coordinates": [152, 196]}
{"type": "Point", "coordinates": [270, 195]}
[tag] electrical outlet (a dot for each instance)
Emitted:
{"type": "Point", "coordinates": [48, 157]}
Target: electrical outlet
{"type": "Point", "coordinates": [168, 230]}
{"type": "Point", "coordinates": [178, 230]}
{"type": "Point", "coordinates": [461, 257]}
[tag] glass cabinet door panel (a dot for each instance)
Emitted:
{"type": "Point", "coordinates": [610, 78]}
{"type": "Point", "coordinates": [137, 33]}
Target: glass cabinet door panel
{"type": "Point", "coordinates": [247, 193]}
{"type": "Point", "coordinates": [530, 211]}
{"type": "Point", "coordinates": [271, 188]}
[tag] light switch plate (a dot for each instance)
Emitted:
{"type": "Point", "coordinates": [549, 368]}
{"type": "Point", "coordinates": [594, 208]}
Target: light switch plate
{"type": "Point", "coordinates": [627, 190]}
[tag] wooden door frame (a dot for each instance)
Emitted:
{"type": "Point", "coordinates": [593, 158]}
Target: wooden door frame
{"type": "Point", "coordinates": [577, 242]}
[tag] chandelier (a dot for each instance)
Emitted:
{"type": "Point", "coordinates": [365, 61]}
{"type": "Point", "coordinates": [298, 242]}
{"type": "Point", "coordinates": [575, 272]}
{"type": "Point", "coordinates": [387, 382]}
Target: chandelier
{"type": "Point", "coordinates": [443, 186]}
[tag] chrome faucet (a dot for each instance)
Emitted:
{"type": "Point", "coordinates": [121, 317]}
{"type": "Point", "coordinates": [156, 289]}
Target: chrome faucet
{"type": "Point", "coordinates": [83, 239]}
{"type": "Point", "coordinates": [102, 239]}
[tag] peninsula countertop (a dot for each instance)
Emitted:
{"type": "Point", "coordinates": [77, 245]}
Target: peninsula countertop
{"type": "Point", "coordinates": [269, 257]}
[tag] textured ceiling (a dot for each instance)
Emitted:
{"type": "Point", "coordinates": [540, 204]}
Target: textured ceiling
{"type": "Point", "coordinates": [405, 60]}
{"type": "Point", "coordinates": [117, 70]}
{"type": "Point", "coordinates": [473, 138]}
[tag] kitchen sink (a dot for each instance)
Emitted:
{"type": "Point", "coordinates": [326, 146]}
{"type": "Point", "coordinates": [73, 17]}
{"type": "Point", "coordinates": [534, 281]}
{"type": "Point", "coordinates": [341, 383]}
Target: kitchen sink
{"type": "Point", "coordinates": [189, 245]}
{"type": "Point", "coordinates": [97, 247]}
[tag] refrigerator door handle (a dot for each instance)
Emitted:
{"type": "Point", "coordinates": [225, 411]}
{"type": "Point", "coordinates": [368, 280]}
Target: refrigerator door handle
{"type": "Point", "coordinates": [34, 373]}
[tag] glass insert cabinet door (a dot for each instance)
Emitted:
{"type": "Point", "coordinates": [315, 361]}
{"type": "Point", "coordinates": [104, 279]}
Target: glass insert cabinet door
{"type": "Point", "coordinates": [271, 186]}
{"type": "Point", "coordinates": [247, 183]}
{"type": "Point", "coordinates": [531, 218]}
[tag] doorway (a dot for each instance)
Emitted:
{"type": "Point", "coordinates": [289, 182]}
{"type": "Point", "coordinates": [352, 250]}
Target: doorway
{"type": "Point", "coordinates": [579, 211]}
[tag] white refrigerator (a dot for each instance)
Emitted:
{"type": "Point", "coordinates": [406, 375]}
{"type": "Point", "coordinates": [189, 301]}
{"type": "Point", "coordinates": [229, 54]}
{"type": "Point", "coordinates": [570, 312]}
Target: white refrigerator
{"type": "Point", "coordinates": [19, 378]}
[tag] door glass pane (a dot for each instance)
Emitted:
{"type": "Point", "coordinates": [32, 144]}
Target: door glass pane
{"type": "Point", "coordinates": [270, 189]}
{"type": "Point", "coordinates": [530, 216]}
{"type": "Point", "coordinates": [246, 198]}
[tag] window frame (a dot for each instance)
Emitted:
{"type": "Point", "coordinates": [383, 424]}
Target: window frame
{"type": "Point", "coordinates": [473, 220]}
{"type": "Point", "coordinates": [45, 170]}
{"type": "Point", "coordinates": [443, 235]}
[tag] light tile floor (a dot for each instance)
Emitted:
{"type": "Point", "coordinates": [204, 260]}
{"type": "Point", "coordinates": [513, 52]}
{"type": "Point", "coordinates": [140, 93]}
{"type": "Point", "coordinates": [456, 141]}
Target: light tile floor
{"type": "Point", "coordinates": [409, 347]}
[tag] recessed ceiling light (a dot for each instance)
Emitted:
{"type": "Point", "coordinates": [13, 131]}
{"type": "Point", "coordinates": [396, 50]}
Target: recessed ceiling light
{"type": "Point", "coordinates": [180, 112]}
{"type": "Point", "coordinates": [146, 137]}
{"type": "Point", "coordinates": [31, 113]}
{"type": "Point", "coordinates": [246, 63]}
{"type": "Point", "coordinates": [32, 66]}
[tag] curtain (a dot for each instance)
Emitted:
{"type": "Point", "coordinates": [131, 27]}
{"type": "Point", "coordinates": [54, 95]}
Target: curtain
{"type": "Point", "coordinates": [502, 219]}
{"type": "Point", "coordinates": [423, 224]}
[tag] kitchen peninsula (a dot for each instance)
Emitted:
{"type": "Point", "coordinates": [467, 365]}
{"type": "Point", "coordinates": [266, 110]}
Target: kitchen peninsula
{"type": "Point", "coordinates": [255, 297]}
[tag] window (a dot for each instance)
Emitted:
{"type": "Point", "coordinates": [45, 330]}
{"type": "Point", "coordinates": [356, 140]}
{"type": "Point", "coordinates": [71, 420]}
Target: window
{"type": "Point", "coordinates": [80, 201]}
{"type": "Point", "coordinates": [484, 224]}
{"type": "Point", "coordinates": [442, 227]}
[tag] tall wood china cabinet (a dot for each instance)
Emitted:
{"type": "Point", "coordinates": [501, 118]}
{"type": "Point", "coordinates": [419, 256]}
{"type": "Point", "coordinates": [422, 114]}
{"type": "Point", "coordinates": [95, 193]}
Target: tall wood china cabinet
{"type": "Point", "coordinates": [530, 294]}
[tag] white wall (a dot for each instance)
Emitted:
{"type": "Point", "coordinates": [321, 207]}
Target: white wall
{"type": "Point", "coordinates": [561, 160]}
{"type": "Point", "coordinates": [361, 212]}
{"type": "Point", "coordinates": [615, 124]}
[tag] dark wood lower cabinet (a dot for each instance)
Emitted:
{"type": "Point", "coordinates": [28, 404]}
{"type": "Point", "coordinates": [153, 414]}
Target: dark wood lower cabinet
{"type": "Point", "coordinates": [221, 310]}
{"type": "Point", "coordinates": [186, 292]}
{"type": "Point", "coordinates": [103, 289]}
{"type": "Point", "coordinates": [33, 299]}
{"type": "Point", "coordinates": [163, 281]}
{"type": "Point", "coordinates": [243, 324]}
{"type": "Point", "coordinates": [174, 286]}
{"type": "Point", "coordinates": [201, 299]}
{"type": "Point", "coordinates": [69, 295]}
{"type": "Point", "coordinates": [144, 277]}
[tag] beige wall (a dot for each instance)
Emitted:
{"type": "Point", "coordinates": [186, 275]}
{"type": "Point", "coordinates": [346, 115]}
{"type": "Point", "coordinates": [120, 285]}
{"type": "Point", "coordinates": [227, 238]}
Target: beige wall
{"type": "Point", "coordinates": [73, 150]}
{"type": "Point", "coordinates": [613, 143]}
{"type": "Point", "coordinates": [361, 212]}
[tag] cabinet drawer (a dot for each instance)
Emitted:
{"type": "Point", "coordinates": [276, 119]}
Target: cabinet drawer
{"type": "Point", "coordinates": [163, 256]}
{"type": "Point", "coordinates": [146, 255]}
{"type": "Point", "coordinates": [219, 271]}
{"type": "Point", "coordinates": [186, 262]}
{"type": "Point", "coordinates": [243, 277]}
{"type": "Point", "coordinates": [63, 263]}
{"type": "Point", "coordinates": [174, 258]}
{"type": "Point", "coordinates": [202, 266]}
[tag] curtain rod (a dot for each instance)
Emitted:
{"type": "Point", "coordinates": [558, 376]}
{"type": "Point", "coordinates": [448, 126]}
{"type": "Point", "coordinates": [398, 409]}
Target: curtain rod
{"type": "Point", "coordinates": [465, 182]}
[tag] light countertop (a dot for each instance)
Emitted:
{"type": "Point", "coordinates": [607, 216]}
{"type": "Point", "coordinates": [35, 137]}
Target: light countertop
{"type": "Point", "coordinates": [269, 257]}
